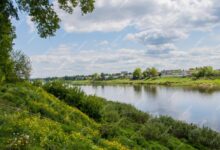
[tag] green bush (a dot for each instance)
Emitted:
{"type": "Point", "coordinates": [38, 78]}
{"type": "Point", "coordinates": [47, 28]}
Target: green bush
{"type": "Point", "coordinates": [73, 96]}
{"type": "Point", "coordinates": [109, 131]}
{"type": "Point", "coordinates": [38, 83]}
{"type": "Point", "coordinates": [206, 71]}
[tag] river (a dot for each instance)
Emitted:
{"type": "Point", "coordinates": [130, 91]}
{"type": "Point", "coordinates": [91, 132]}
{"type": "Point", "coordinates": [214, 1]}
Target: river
{"type": "Point", "coordinates": [190, 105]}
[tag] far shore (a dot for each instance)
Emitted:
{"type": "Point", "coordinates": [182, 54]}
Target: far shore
{"type": "Point", "coordinates": [168, 81]}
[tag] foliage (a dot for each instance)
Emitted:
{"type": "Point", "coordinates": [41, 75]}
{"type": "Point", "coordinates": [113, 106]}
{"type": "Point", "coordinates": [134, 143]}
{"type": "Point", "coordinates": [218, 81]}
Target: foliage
{"type": "Point", "coordinates": [34, 119]}
{"type": "Point", "coordinates": [42, 12]}
{"type": "Point", "coordinates": [150, 72]}
{"type": "Point", "coordinates": [7, 35]}
{"type": "Point", "coordinates": [37, 83]}
{"type": "Point", "coordinates": [206, 71]}
{"type": "Point", "coordinates": [137, 74]}
{"type": "Point", "coordinates": [73, 96]}
{"type": "Point", "coordinates": [22, 65]}
{"type": "Point", "coordinates": [96, 76]}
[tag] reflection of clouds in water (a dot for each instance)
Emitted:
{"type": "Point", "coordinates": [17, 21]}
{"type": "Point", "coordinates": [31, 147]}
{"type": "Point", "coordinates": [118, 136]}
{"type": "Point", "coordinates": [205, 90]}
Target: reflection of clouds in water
{"type": "Point", "coordinates": [186, 115]}
{"type": "Point", "coordinates": [218, 108]}
{"type": "Point", "coordinates": [188, 105]}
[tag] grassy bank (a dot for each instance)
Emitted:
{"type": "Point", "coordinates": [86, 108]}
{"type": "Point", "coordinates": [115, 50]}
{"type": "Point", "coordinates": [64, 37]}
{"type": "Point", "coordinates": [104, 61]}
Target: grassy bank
{"type": "Point", "coordinates": [171, 81]}
{"type": "Point", "coordinates": [67, 118]}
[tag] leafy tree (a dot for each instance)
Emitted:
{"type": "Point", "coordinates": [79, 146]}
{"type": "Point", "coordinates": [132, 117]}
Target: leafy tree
{"type": "Point", "coordinates": [102, 76]}
{"type": "Point", "coordinates": [41, 13]}
{"type": "Point", "coordinates": [22, 65]}
{"type": "Point", "coordinates": [145, 74]}
{"type": "Point", "coordinates": [150, 72]}
{"type": "Point", "coordinates": [96, 76]}
{"type": "Point", "coordinates": [6, 42]}
{"type": "Point", "coordinates": [206, 71]}
{"type": "Point", "coordinates": [137, 74]}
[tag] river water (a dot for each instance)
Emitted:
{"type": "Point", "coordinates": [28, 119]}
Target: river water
{"type": "Point", "coordinates": [190, 105]}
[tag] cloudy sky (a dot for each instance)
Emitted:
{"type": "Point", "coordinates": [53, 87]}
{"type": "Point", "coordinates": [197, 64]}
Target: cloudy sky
{"type": "Point", "coordinates": [121, 35]}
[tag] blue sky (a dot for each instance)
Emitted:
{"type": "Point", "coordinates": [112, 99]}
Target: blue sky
{"type": "Point", "coordinates": [122, 35]}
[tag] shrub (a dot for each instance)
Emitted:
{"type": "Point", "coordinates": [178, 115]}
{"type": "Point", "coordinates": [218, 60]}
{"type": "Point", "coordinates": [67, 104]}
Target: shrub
{"type": "Point", "coordinates": [92, 106]}
{"type": "Point", "coordinates": [38, 83]}
{"type": "Point", "coordinates": [73, 96]}
{"type": "Point", "coordinates": [109, 131]}
{"type": "Point", "coordinates": [137, 74]}
{"type": "Point", "coordinates": [154, 131]}
{"type": "Point", "coordinates": [207, 71]}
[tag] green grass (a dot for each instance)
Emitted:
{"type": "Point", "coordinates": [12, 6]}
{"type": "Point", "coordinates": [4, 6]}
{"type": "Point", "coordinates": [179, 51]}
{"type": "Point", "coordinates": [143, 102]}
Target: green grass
{"type": "Point", "coordinates": [168, 81]}
{"type": "Point", "coordinates": [67, 118]}
{"type": "Point", "coordinates": [33, 119]}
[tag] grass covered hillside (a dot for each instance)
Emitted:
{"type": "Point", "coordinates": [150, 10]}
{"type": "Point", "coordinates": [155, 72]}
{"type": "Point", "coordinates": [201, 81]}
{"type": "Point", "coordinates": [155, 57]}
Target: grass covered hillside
{"type": "Point", "coordinates": [31, 118]}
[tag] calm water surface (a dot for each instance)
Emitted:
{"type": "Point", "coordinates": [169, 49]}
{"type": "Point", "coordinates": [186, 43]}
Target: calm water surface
{"type": "Point", "coordinates": [191, 105]}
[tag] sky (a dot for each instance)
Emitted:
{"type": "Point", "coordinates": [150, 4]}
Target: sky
{"type": "Point", "coordinates": [121, 35]}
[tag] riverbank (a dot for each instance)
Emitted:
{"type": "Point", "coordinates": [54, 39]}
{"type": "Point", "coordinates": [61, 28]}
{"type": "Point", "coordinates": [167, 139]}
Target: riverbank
{"type": "Point", "coordinates": [171, 81]}
{"type": "Point", "coordinates": [57, 117]}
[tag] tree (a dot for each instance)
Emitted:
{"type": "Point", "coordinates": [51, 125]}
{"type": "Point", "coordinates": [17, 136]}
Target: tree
{"type": "Point", "coordinates": [22, 65]}
{"type": "Point", "coordinates": [102, 76]}
{"type": "Point", "coordinates": [206, 71]}
{"type": "Point", "coordinates": [137, 74]}
{"type": "Point", "coordinates": [96, 76]}
{"type": "Point", "coordinates": [41, 13]}
{"type": "Point", "coordinates": [150, 72]}
{"type": "Point", "coordinates": [7, 35]}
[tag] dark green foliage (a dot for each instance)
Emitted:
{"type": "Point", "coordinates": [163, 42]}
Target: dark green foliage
{"type": "Point", "coordinates": [150, 73]}
{"type": "Point", "coordinates": [22, 65]}
{"type": "Point", "coordinates": [137, 74]}
{"type": "Point", "coordinates": [7, 35]}
{"type": "Point", "coordinates": [109, 131]}
{"type": "Point", "coordinates": [199, 137]}
{"type": "Point", "coordinates": [43, 14]}
{"type": "Point", "coordinates": [202, 72]}
{"type": "Point", "coordinates": [73, 96]}
{"type": "Point", "coordinates": [96, 76]}
{"type": "Point", "coordinates": [38, 83]}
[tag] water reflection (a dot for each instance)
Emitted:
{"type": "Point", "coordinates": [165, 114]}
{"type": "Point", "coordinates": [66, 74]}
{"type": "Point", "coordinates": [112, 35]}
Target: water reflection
{"type": "Point", "coordinates": [189, 104]}
{"type": "Point", "coordinates": [137, 90]}
{"type": "Point", "coordinates": [201, 90]}
{"type": "Point", "coordinates": [151, 90]}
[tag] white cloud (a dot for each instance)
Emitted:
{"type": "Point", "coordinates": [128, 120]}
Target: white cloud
{"type": "Point", "coordinates": [157, 24]}
{"type": "Point", "coordinates": [103, 43]}
{"type": "Point", "coordinates": [157, 36]}
{"type": "Point", "coordinates": [30, 24]}
{"type": "Point", "coordinates": [115, 15]}
{"type": "Point", "coordinates": [155, 21]}
{"type": "Point", "coordinates": [65, 61]}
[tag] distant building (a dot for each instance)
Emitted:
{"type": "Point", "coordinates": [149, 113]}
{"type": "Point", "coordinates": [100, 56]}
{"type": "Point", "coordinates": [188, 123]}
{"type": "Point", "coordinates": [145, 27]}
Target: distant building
{"type": "Point", "coordinates": [174, 73]}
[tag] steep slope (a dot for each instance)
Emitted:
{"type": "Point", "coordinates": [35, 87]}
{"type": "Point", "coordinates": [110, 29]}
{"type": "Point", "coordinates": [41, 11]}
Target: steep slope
{"type": "Point", "coordinates": [33, 119]}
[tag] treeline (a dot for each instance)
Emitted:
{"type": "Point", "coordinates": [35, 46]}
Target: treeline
{"type": "Point", "coordinates": [195, 73]}
{"type": "Point", "coordinates": [139, 74]}
{"type": "Point", "coordinates": [148, 73]}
